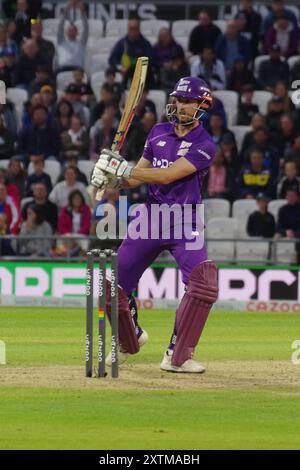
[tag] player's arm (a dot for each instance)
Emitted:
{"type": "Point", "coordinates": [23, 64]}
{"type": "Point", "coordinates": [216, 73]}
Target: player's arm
{"type": "Point", "coordinates": [132, 182]}
{"type": "Point", "coordinates": [178, 170]}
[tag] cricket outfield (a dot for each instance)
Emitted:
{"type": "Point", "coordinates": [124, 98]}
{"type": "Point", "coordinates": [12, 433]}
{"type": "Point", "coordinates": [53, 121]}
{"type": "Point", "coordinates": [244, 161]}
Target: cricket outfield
{"type": "Point", "coordinates": [247, 399]}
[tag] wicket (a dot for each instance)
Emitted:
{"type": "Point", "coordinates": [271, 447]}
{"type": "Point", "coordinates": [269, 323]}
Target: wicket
{"type": "Point", "coordinates": [104, 256]}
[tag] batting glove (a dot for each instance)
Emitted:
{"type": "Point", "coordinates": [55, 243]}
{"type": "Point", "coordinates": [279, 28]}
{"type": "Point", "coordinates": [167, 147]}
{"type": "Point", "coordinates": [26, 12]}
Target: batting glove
{"type": "Point", "coordinates": [113, 164]}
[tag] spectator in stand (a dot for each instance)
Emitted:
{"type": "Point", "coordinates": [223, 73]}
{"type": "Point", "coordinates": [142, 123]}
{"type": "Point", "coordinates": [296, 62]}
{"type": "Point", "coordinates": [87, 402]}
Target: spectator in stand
{"type": "Point", "coordinates": [277, 10]}
{"type": "Point", "coordinates": [275, 111]}
{"type": "Point", "coordinates": [76, 140]}
{"type": "Point", "coordinates": [285, 137]}
{"type": "Point", "coordinates": [249, 23]}
{"type": "Point", "coordinates": [48, 99]}
{"type": "Point", "coordinates": [71, 49]}
{"type": "Point", "coordinates": [255, 177]}
{"type": "Point", "coordinates": [103, 135]}
{"type": "Point", "coordinates": [165, 50]}
{"type": "Point", "coordinates": [5, 245]}
{"type": "Point", "coordinates": [84, 88]}
{"type": "Point", "coordinates": [42, 77]}
{"type": "Point", "coordinates": [22, 21]}
{"type": "Point", "coordinates": [40, 198]}
{"type": "Point", "coordinates": [220, 178]}
{"type": "Point", "coordinates": [247, 109]}
{"type": "Point", "coordinates": [204, 34]}
{"type": "Point", "coordinates": [273, 70]}
{"type": "Point", "coordinates": [282, 91]}
{"type": "Point", "coordinates": [8, 113]}
{"type": "Point", "coordinates": [17, 175]}
{"type": "Point", "coordinates": [294, 154]}
{"type": "Point", "coordinates": [80, 176]}
{"type": "Point", "coordinates": [288, 225]}
{"type": "Point", "coordinates": [73, 95]}
{"type": "Point", "coordinates": [27, 64]}
{"type": "Point", "coordinates": [216, 127]}
{"type": "Point", "coordinates": [137, 137]}
{"type": "Point", "coordinates": [35, 226]}
{"type": "Point", "coordinates": [240, 75]}
{"type": "Point", "coordinates": [46, 47]}
{"type": "Point", "coordinates": [231, 44]}
{"type": "Point", "coordinates": [7, 45]}
{"type": "Point", "coordinates": [262, 142]}
{"type": "Point", "coordinates": [9, 208]}
{"type": "Point", "coordinates": [229, 150]}
{"type": "Point", "coordinates": [7, 67]}
{"type": "Point", "coordinates": [106, 97]}
{"type": "Point", "coordinates": [63, 113]}
{"type": "Point", "coordinates": [290, 180]}
{"type": "Point", "coordinates": [61, 191]}
{"type": "Point", "coordinates": [217, 108]}
{"type": "Point", "coordinates": [261, 223]}
{"type": "Point", "coordinates": [41, 137]}
{"type": "Point", "coordinates": [210, 69]}
{"type": "Point", "coordinates": [38, 175]}
{"type": "Point", "coordinates": [177, 68]}
{"type": "Point", "coordinates": [283, 34]}
{"type": "Point", "coordinates": [29, 106]}
{"type": "Point", "coordinates": [126, 51]}
{"type": "Point", "coordinates": [258, 120]}
{"type": "Point", "coordinates": [12, 190]}
{"type": "Point", "coordinates": [145, 105]}
{"type": "Point", "coordinates": [75, 218]}
{"type": "Point", "coordinates": [6, 140]}
{"type": "Point", "coordinates": [110, 79]}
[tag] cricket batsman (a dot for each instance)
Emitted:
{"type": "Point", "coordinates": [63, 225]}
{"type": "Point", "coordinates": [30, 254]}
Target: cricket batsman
{"type": "Point", "coordinates": [176, 158]}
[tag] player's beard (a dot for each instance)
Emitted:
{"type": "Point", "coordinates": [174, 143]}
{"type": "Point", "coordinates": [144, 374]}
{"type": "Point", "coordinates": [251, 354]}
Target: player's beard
{"type": "Point", "coordinates": [185, 120]}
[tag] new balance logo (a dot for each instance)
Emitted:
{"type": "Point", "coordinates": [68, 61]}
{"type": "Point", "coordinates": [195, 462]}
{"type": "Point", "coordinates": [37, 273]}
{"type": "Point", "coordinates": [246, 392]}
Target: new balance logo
{"type": "Point", "coordinates": [161, 143]}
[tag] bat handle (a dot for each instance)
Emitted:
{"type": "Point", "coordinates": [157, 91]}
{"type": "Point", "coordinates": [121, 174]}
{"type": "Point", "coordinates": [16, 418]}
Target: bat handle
{"type": "Point", "coordinates": [99, 194]}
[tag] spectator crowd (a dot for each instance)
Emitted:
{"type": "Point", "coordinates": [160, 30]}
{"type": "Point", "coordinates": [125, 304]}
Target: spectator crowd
{"type": "Point", "coordinates": [71, 125]}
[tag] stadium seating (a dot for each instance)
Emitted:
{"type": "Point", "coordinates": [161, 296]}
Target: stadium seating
{"type": "Point", "coordinates": [258, 60]}
{"type": "Point", "coordinates": [183, 28]}
{"type": "Point", "coordinates": [50, 26]}
{"type": "Point", "coordinates": [262, 98]}
{"type": "Point", "coordinates": [241, 209]}
{"type": "Point", "coordinates": [285, 252]}
{"type": "Point", "coordinates": [96, 63]}
{"type": "Point", "coordinates": [86, 166]}
{"type": "Point", "coordinates": [215, 207]}
{"type": "Point", "coordinates": [221, 228]}
{"type": "Point", "coordinates": [18, 96]}
{"type": "Point", "coordinates": [159, 98]}
{"type": "Point", "coordinates": [96, 28]}
{"type": "Point", "coordinates": [275, 205]}
{"type": "Point", "coordinates": [116, 28]}
{"type": "Point", "coordinates": [4, 163]}
{"type": "Point", "coordinates": [239, 134]}
{"type": "Point", "coordinates": [230, 102]}
{"type": "Point", "coordinates": [152, 27]}
{"type": "Point", "coordinates": [222, 24]}
{"type": "Point", "coordinates": [253, 251]}
{"type": "Point", "coordinates": [97, 80]}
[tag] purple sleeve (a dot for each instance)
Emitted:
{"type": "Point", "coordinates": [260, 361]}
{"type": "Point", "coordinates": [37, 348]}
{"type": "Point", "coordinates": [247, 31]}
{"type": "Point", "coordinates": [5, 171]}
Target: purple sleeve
{"type": "Point", "coordinates": [148, 152]}
{"type": "Point", "coordinates": [201, 155]}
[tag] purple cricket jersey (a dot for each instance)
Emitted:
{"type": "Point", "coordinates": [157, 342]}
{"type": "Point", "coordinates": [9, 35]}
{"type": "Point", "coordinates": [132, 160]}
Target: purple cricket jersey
{"type": "Point", "coordinates": [163, 147]}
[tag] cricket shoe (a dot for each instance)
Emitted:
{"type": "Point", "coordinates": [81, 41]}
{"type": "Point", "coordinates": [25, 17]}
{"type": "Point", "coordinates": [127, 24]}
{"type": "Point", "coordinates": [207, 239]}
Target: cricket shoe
{"type": "Point", "coordinates": [190, 366]}
{"type": "Point", "coordinates": [123, 355]}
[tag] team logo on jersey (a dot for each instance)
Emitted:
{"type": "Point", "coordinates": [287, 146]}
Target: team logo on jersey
{"type": "Point", "coordinates": [161, 143]}
{"type": "Point", "coordinates": [161, 163]}
{"type": "Point", "coordinates": [184, 148]}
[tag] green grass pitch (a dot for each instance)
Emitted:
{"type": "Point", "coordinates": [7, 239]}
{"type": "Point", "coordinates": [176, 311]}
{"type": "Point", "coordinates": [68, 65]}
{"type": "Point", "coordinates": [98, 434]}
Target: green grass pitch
{"type": "Point", "coordinates": [249, 397]}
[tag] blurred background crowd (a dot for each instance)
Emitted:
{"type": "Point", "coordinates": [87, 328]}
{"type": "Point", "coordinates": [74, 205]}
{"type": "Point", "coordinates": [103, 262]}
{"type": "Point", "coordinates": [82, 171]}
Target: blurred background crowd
{"type": "Point", "coordinates": [66, 81]}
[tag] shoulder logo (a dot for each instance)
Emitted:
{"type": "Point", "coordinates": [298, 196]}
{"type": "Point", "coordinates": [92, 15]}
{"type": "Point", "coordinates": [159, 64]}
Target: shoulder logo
{"type": "Point", "coordinates": [204, 154]}
{"type": "Point", "coordinates": [161, 143]}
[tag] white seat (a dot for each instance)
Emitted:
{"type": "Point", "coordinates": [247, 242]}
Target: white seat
{"type": "Point", "coordinates": [215, 207]}
{"type": "Point", "coordinates": [17, 96]}
{"type": "Point", "coordinates": [285, 252]}
{"type": "Point", "coordinates": [222, 25]}
{"type": "Point", "coordinates": [252, 251]}
{"type": "Point", "coordinates": [96, 28]}
{"type": "Point", "coordinates": [63, 79]}
{"type": "Point", "coordinates": [86, 166]}
{"type": "Point", "coordinates": [159, 98]}
{"type": "Point", "coordinates": [292, 60]}
{"type": "Point", "coordinates": [257, 62]}
{"type": "Point", "coordinates": [222, 228]}
{"type": "Point", "coordinates": [183, 27]}
{"type": "Point", "coordinates": [51, 38]}
{"type": "Point", "coordinates": [52, 167]}
{"type": "Point", "coordinates": [152, 27]}
{"type": "Point", "coordinates": [230, 102]}
{"type": "Point", "coordinates": [239, 134]}
{"type": "Point", "coordinates": [183, 41]}
{"type": "Point", "coordinates": [262, 98]}
{"type": "Point", "coordinates": [102, 46]}
{"type": "Point", "coordinates": [241, 209]}
{"type": "Point", "coordinates": [97, 63]}
{"type": "Point", "coordinates": [97, 80]}
{"type": "Point", "coordinates": [4, 163]}
{"type": "Point", "coordinates": [50, 26]}
{"type": "Point", "coordinates": [24, 201]}
{"type": "Point", "coordinates": [295, 10]}
{"type": "Point", "coordinates": [116, 28]}
{"type": "Point", "coordinates": [275, 205]}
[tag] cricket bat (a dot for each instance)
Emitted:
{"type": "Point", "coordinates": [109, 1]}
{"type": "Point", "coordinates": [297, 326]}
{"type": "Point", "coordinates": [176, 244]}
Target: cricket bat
{"type": "Point", "coordinates": [133, 98]}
